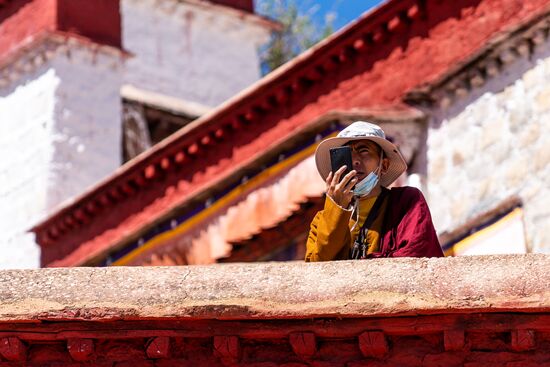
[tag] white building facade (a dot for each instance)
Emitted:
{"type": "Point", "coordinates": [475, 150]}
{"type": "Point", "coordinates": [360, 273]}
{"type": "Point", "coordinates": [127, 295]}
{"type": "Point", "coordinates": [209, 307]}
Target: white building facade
{"type": "Point", "coordinates": [488, 141]}
{"type": "Point", "coordinates": [196, 51]}
{"type": "Point", "coordinates": [61, 106]}
{"type": "Point", "coordinates": [60, 133]}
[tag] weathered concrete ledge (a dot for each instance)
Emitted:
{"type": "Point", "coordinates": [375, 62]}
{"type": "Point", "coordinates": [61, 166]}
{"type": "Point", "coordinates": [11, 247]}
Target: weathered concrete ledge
{"type": "Point", "coordinates": [518, 283]}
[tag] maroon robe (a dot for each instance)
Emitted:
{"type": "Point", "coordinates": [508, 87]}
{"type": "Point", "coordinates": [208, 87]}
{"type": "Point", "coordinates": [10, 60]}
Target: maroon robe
{"type": "Point", "coordinates": [407, 230]}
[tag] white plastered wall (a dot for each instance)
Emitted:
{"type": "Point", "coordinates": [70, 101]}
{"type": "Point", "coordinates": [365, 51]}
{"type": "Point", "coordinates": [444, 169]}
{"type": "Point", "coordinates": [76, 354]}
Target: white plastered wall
{"type": "Point", "coordinates": [201, 54]}
{"type": "Point", "coordinates": [88, 128]}
{"type": "Point", "coordinates": [492, 145]}
{"type": "Point", "coordinates": [60, 132]}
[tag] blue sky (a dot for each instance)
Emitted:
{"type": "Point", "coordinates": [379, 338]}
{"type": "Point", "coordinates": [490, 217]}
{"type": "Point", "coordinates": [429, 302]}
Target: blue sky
{"type": "Point", "coordinates": [341, 11]}
{"type": "Point", "coordinates": [345, 10]}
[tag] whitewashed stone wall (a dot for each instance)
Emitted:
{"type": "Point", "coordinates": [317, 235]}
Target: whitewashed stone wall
{"type": "Point", "coordinates": [60, 132]}
{"type": "Point", "coordinates": [189, 51]}
{"type": "Point", "coordinates": [493, 146]}
{"type": "Point", "coordinates": [26, 127]}
{"type": "Point", "coordinates": [88, 123]}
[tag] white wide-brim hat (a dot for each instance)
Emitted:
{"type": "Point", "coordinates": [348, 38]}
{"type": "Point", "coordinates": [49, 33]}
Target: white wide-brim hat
{"type": "Point", "coordinates": [361, 130]}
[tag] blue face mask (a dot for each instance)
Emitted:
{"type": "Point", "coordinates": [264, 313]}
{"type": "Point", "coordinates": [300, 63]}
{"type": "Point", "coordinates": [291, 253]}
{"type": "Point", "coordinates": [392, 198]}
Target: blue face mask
{"type": "Point", "coordinates": [365, 186]}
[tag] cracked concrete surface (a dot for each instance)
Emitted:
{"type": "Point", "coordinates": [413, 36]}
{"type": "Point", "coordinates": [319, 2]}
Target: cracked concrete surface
{"type": "Point", "coordinates": [380, 287]}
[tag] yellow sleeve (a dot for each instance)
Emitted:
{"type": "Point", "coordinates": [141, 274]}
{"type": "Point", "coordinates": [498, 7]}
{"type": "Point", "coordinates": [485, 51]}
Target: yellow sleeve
{"type": "Point", "coordinates": [329, 235]}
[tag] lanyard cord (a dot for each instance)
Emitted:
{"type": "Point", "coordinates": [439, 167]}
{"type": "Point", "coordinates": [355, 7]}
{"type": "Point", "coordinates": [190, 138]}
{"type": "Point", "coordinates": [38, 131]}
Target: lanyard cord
{"type": "Point", "coordinates": [360, 246]}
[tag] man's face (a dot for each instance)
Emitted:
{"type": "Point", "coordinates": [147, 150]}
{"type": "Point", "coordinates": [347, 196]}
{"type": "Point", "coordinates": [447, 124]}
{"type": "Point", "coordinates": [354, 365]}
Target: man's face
{"type": "Point", "coordinates": [365, 156]}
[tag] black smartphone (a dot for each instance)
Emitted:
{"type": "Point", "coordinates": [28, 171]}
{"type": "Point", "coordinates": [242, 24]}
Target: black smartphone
{"type": "Point", "coordinates": [341, 156]}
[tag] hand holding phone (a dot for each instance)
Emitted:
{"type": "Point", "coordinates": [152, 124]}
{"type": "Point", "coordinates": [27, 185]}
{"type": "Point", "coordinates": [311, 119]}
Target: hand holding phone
{"type": "Point", "coordinates": [339, 184]}
{"type": "Point", "coordinates": [341, 156]}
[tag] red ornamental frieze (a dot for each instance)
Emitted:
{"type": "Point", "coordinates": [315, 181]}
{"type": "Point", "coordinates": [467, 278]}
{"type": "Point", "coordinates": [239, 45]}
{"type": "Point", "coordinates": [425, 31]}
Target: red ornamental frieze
{"type": "Point", "coordinates": [330, 342]}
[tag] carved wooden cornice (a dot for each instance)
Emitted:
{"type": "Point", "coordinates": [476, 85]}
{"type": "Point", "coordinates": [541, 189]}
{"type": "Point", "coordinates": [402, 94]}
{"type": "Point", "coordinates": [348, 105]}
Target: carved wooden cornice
{"type": "Point", "coordinates": [510, 47]}
{"type": "Point", "coordinates": [44, 48]}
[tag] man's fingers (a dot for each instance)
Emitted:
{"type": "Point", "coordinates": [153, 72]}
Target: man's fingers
{"type": "Point", "coordinates": [329, 185]}
{"type": "Point", "coordinates": [342, 169]}
{"type": "Point", "coordinates": [350, 175]}
{"type": "Point", "coordinates": [350, 185]}
{"type": "Point", "coordinates": [338, 175]}
{"type": "Point", "coordinates": [348, 188]}
{"type": "Point", "coordinates": [329, 179]}
{"type": "Point", "coordinates": [345, 181]}
{"type": "Point", "coordinates": [340, 191]}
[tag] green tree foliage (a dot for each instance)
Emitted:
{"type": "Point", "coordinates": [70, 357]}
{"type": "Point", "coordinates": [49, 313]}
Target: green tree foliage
{"type": "Point", "coordinates": [298, 31]}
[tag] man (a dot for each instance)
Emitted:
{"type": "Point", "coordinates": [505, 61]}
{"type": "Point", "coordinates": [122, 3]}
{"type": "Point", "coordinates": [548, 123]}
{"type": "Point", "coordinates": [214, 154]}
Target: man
{"type": "Point", "coordinates": [361, 217]}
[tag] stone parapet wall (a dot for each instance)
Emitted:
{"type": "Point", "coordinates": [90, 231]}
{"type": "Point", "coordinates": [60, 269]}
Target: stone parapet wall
{"type": "Point", "coordinates": [468, 311]}
{"type": "Point", "coordinates": [385, 287]}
